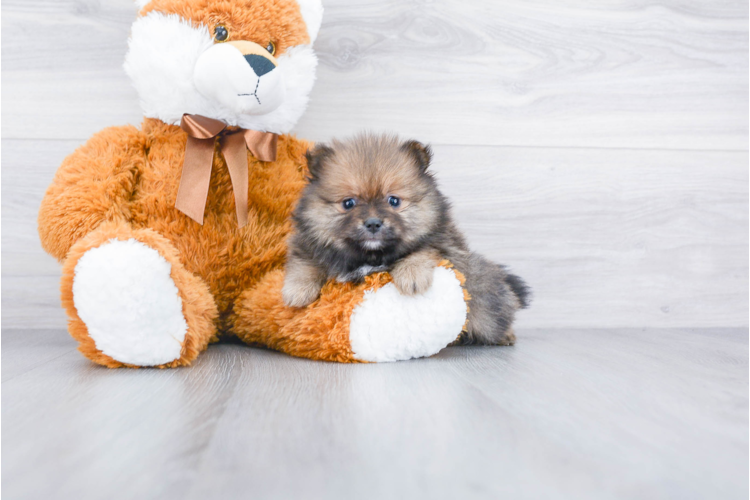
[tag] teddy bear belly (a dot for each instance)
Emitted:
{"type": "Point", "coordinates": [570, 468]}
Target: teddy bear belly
{"type": "Point", "coordinates": [228, 258]}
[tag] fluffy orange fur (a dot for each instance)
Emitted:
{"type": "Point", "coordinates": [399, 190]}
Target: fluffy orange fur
{"type": "Point", "coordinates": [277, 21]}
{"type": "Point", "coordinates": [131, 177]}
{"type": "Point", "coordinates": [318, 332]}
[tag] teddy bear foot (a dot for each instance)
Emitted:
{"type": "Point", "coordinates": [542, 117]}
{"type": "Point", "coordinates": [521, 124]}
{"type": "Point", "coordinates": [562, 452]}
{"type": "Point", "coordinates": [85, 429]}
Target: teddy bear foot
{"type": "Point", "coordinates": [133, 305]}
{"type": "Point", "coordinates": [388, 326]}
{"type": "Point", "coordinates": [124, 294]}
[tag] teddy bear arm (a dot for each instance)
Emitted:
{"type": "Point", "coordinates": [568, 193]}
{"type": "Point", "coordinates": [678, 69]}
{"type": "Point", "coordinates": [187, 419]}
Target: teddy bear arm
{"type": "Point", "coordinates": [94, 184]}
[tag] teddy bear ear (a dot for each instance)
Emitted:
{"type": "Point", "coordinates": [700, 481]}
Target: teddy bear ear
{"type": "Point", "coordinates": [421, 153]}
{"type": "Point", "coordinates": [316, 159]}
{"type": "Point", "coordinates": [312, 13]}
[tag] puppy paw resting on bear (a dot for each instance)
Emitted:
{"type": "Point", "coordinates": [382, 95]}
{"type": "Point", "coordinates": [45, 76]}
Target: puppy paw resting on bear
{"type": "Point", "coordinates": [174, 234]}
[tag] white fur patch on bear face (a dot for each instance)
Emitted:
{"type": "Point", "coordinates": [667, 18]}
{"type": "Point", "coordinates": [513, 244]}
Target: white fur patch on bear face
{"type": "Point", "coordinates": [224, 75]}
{"type": "Point", "coordinates": [163, 61]}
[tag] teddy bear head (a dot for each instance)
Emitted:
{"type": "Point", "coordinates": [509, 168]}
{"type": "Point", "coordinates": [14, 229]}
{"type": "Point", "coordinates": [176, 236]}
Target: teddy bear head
{"type": "Point", "coordinates": [248, 63]}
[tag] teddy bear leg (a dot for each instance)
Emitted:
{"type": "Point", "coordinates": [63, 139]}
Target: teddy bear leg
{"type": "Point", "coordinates": [366, 322]}
{"type": "Point", "coordinates": [132, 303]}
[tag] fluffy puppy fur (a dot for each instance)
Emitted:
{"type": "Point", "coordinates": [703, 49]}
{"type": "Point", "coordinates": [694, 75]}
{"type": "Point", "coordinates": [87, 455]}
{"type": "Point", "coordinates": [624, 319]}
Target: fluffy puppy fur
{"type": "Point", "coordinates": [371, 205]}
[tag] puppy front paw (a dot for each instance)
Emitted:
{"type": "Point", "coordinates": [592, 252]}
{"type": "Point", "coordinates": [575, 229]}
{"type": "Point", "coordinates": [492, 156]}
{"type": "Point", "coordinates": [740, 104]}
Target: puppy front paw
{"type": "Point", "coordinates": [412, 278]}
{"type": "Point", "coordinates": [299, 294]}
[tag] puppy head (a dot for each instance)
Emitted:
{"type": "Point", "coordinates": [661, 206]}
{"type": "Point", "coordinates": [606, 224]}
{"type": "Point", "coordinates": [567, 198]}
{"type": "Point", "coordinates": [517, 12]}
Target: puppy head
{"type": "Point", "coordinates": [244, 62]}
{"type": "Point", "coordinates": [372, 193]}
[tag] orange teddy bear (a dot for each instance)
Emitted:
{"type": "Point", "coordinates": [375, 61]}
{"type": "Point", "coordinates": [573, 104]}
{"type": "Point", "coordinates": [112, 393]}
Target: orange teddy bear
{"type": "Point", "coordinates": [173, 234]}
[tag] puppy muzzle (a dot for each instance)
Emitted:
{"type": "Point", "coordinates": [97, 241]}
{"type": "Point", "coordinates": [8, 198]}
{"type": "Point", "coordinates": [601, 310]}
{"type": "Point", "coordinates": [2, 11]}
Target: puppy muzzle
{"type": "Point", "coordinates": [240, 75]}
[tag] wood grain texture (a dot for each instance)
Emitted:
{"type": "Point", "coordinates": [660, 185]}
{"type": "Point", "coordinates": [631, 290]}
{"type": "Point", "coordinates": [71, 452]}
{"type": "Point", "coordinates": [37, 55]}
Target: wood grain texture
{"type": "Point", "coordinates": [617, 238]}
{"type": "Point", "coordinates": [623, 238]}
{"type": "Point", "coordinates": [644, 414]}
{"type": "Point", "coordinates": [631, 73]}
{"type": "Point", "coordinates": [598, 149]}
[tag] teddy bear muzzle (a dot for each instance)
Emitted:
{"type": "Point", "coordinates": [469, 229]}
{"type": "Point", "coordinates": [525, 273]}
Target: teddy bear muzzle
{"type": "Point", "coordinates": [241, 76]}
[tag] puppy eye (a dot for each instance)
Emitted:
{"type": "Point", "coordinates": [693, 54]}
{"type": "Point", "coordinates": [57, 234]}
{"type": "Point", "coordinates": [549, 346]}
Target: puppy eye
{"type": "Point", "coordinates": [271, 48]}
{"type": "Point", "coordinates": [348, 203]}
{"type": "Point", "coordinates": [394, 201]}
{"type": "Point", "coordinates": [221, 33]}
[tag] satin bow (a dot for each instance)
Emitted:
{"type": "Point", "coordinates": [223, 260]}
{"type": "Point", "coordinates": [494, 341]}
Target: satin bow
{"type": "Point", "coordinates": [199, 153]}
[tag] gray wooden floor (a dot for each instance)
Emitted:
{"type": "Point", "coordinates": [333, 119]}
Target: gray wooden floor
{"type": "Point", "coordinates": [578, 414]}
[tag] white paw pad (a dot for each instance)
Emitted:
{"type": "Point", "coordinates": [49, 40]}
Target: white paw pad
{"type": "Point", "coordinates": [388, 326]}
{"type": "Point", "coordinates": [125, 295]}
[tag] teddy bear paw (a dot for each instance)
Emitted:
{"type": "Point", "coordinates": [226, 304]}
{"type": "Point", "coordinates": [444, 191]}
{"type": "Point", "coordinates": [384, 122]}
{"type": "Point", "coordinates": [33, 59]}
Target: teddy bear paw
{"type": "Point", "coordinates": [124, 293]}
{"type": "Point", "coordinates": [389, 326]}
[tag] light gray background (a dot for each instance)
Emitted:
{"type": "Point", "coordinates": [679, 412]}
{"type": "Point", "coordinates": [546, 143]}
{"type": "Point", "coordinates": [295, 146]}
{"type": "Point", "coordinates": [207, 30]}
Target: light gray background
{"type": "Point", "coordinates": [600, 149]}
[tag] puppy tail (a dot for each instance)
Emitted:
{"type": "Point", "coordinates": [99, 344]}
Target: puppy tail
{"type": "Point", "coordinates": [520, 288]}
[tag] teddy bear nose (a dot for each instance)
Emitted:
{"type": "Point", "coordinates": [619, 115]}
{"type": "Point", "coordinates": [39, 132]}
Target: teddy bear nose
{"type": "Point", "coordinates": [260, 64]}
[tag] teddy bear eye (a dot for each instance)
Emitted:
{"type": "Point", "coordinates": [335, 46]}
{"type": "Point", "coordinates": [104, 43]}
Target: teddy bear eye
{"type": "Point", "coordinates": [394, 201]}
{"type": "Point", "coordinates": [221, 33]}
{"type": "Point", "coordinates": [348, 203]}
{"type": "Point", "coordinates": [271, 48]}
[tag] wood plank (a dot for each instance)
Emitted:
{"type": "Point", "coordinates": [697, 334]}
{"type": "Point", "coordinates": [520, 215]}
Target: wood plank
{"type": "Point", "coordinates": [563, 414]}
{"type": "Point", "coordinates": [78, 430]}
{"type": "Point", "coordinates": [603, 400]}
{"type": "Point", "coordinates": [32, 302]}
{"type": "Point", "coordinates": [30, 166]}
{"type": "Point", "coordinates": [67, 69]}
{"type": "Point", "coordinates": [625, 74]}
{"type": "Point", "coordinates": [537, 422]}
{"type": "Point", "coordinates": [610, 238]}
{"type": "Point", "coordinates": [616, 238]}
{"type": "Point", "coordinates": [29, 349]}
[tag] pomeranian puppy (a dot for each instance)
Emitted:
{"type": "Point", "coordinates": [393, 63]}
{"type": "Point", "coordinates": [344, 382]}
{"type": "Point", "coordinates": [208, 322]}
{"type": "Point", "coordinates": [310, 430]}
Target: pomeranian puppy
{"type": "Point", "coordinates": [372, 205]}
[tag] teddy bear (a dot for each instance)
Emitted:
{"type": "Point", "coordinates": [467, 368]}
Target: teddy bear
{"type": "Point", "coordinates": [172, 235]}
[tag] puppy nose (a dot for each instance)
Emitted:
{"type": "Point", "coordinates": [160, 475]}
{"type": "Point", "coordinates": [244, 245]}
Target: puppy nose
{"type": "Point", "coordinates": [260, 64]}
{"type": "Point", "coordinates": [373, 224]}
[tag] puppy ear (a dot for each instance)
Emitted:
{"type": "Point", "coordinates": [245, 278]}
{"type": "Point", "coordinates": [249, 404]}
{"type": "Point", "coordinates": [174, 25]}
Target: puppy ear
{"type": "Point", "coordinates": [422, 154]}
{"type": "Point", "coordinates": [316, 159]}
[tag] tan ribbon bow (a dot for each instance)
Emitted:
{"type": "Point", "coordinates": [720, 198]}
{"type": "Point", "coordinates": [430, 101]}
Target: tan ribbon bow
{"type": "Point", "coordinates": [199, 154]}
